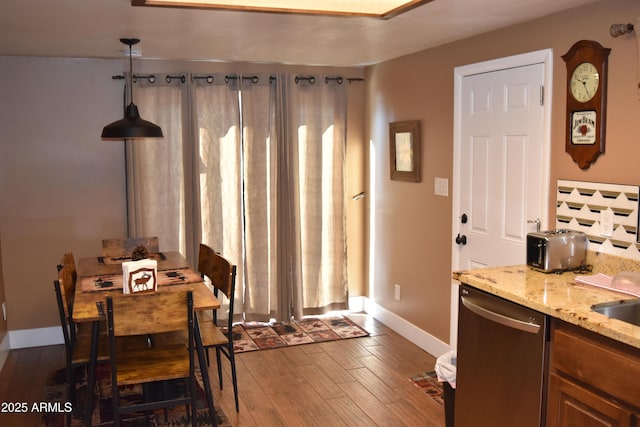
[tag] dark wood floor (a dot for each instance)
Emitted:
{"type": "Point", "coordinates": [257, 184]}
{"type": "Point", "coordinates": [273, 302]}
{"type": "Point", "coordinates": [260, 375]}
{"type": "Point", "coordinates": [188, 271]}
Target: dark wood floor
{"type": "Point", "coordinates": [355, 382]}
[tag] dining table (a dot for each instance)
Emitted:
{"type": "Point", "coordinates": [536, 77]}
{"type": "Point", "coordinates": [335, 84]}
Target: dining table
{"type": "Point", "coordinates": [99, 277]}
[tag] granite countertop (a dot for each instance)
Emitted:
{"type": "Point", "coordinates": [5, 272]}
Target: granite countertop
{"type": "Point", "coordinates": [556, 295]}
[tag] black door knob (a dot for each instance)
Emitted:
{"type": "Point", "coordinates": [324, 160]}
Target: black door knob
{"type": "Point", "coordinates": [461, 239]}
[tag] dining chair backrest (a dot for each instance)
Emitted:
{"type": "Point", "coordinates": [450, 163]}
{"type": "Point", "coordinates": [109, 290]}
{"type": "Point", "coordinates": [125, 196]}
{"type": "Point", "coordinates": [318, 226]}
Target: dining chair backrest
{"type": "Point", "coordinates": [67, 283]}
{"type": "Point", "coordinates": [67, 259]}
{"type": "Point", "coordinates": [152, 313]}
{"type": "Point", "coordinates": [68, 276]}
{"type": "Point", "coordinates": [149, 314]}
{"type": "Point", "coordinates": [217, 269]}
{"type": "Point", "coordinates": [118, 247]}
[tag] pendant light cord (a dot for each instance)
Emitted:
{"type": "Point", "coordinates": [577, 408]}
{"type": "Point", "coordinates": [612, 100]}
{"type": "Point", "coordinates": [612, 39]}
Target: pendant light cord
{"type": "Point", "coordinates": [130, 43]}
{"type": "Point", "coordinates": [130, 74]}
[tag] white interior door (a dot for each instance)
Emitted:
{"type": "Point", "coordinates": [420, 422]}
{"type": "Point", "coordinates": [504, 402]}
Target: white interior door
{"type": "Point", "coordinates": [501, 163]}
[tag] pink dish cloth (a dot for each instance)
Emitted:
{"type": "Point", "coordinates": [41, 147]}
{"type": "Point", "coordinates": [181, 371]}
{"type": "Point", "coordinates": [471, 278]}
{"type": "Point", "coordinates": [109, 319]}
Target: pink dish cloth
{"type": "Point", "coordinates": [625, 282]}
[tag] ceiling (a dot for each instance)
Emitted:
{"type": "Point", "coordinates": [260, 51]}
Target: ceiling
{"type": "Point", "coordinates": [91, 29]}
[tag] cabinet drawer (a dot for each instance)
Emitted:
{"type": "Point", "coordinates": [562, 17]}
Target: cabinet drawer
{"type": "Point", "coordinates": [604, 364]}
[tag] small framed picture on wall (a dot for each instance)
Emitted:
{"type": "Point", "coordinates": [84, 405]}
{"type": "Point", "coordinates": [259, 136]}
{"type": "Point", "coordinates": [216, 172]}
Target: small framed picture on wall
{"type": "Point", "coordinates": [404, 146]}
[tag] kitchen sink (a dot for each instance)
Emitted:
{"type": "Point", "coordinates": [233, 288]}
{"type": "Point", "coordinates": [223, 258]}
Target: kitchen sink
{"type": "Point", "coordinates": [625, 310]}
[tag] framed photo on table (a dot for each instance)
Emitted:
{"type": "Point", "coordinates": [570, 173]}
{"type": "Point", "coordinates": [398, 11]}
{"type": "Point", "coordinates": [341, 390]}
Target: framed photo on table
{"type": "Point", "coordinates": [404, 147]}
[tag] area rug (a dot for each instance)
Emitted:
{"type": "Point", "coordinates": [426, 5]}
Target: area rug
{"type": "Point", "coordinates": [103, 413]}
{"type": "Point", "coordinates": [252, 336]}
{"type": "Point", "coordinates": [428, 382]}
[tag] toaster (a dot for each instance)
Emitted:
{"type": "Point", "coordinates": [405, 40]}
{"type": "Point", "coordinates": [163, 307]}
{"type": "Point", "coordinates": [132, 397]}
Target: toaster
{"type": "Point", "coordinates": [556, 250]}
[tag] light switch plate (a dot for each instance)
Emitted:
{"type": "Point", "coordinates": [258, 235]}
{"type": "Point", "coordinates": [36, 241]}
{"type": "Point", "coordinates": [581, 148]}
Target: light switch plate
{"type": "Point", "coordinates": [441, 187]}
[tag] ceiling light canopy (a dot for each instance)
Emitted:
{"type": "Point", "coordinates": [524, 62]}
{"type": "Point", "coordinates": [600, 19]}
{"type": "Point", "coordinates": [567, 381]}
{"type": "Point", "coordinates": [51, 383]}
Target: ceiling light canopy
{"type": "Point", "coordinates": [132, 125]}
{"type": "Point", "coordinates": [384, 9]}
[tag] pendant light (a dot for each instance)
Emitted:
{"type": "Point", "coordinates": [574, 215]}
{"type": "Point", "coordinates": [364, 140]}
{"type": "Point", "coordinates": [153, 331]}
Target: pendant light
{"type": "Point", "coordinates": [131, 126]}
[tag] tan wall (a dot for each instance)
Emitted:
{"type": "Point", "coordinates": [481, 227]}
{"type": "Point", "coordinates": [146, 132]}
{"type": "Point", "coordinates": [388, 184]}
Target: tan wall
{"type": "Point", "coordinates": [413, 226]}
{"type": "Point", "coordinates": [64, 189]}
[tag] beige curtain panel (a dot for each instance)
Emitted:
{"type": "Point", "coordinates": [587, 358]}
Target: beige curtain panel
{"type": "Point", "coordinates": [252, 166]}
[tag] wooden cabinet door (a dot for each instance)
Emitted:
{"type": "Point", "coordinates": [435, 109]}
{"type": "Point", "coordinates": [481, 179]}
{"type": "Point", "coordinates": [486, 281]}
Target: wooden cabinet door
{"type": "Point", "coordinates": [570, 405]}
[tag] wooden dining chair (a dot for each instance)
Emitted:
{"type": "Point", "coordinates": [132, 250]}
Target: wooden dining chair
{"type": "Point", "coordinates": [67, 259]}
{"type": "Point", "coordinates": [76, 352]}
{"type": "Point", "coordinates": [123, 247]}
{"type": "Point", "coordinates": [68, 277]}
{"type": "Point", "coordinates": [223, 280]}
{"type": "Point", "coordinates": [152, 313]}
{"type": "Point", "coordinates": [78, 345]}
{"type": "Point", "coordinates": [67, 268]}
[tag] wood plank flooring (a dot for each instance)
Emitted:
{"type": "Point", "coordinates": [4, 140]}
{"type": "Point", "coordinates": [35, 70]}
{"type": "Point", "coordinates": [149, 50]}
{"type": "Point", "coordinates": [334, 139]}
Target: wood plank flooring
{"type": "Point", "coordinates": [354, 382]}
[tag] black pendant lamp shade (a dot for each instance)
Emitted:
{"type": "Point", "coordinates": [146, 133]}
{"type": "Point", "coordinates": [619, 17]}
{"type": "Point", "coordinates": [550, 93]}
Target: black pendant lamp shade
{"type": "Point", "coordinates": [131, 126]}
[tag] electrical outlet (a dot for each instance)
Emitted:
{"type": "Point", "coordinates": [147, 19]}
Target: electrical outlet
{"type": "Point", "coordinates": [606, 223]}
{"type": "Point", "coordinates": [396, 292]}
{"type": "Point", "coordinates": [4, 311]}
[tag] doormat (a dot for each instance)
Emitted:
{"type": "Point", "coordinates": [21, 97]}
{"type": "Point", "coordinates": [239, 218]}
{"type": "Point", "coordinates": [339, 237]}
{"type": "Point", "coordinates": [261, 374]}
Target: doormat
{"type": "Point", "coordinates": [252, 336]}
{"type": "Point", "coordinates": [428, 382]}
{"type": "Point", "coordinates": [55, 391]}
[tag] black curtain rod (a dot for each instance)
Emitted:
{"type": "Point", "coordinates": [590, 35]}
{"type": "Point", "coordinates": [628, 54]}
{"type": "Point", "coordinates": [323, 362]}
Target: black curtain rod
{"type": "Point", "coordinates": [254, 79]}
{"type": "Point", "coordinates": [310, 79]}
{"type": "Point", "coordinates": [208, 78]}
{"type": "Point", "coordinates": [151, 78]}
{"type": "Point", "coordinates": [327, 79]}
{"type": "Point", "coordinates": [182, 78]}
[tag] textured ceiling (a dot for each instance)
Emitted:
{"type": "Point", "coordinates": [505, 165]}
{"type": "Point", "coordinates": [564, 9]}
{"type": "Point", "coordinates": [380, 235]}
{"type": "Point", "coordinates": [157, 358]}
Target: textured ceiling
{"type": "Point", "coordinates": [91, 29]}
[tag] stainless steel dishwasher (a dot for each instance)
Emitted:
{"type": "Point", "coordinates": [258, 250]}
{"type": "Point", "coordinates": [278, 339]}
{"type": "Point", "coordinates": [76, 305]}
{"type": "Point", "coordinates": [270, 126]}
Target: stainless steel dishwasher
{"type": "Point", "coordinates": [502, 356]}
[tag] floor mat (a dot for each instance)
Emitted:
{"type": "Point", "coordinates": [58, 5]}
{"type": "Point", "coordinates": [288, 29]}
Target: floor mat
{"type": "Point", "coordinates": [428, 382]}
{"type": "Point", "coordinates": [252, 336]}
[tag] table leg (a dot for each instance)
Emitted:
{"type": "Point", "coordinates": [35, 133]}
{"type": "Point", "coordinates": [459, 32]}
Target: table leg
{"type": "Point", "coordinates": [91, 372]}
{"type": "Point", "coordinates": [202, 360]}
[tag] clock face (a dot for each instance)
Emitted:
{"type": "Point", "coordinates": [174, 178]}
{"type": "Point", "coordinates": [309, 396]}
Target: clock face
{"type": "Point", "coordinates": [584, 82]}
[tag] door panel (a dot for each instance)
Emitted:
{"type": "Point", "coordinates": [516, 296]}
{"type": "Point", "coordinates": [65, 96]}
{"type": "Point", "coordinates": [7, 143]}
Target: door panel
{"type": "Point", "coordinates": [480, 180]}
{"type": "Point", "coordinates": [501, 159]}
{"type": "Point", "coordinates": [514, 200]}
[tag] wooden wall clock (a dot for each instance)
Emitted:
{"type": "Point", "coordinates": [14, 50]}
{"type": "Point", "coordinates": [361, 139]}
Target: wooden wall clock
{"type": "Point", "coordinates": [586, 63]}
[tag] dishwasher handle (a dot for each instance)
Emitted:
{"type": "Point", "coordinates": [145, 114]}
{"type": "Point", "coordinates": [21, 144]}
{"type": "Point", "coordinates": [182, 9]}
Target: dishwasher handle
{"type": "Point", "coordinates": [510, 322]}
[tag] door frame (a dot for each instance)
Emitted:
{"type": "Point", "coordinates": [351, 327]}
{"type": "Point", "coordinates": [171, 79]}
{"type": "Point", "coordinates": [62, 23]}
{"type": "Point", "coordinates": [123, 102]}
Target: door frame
{"type": "Point", "coordinates": [544, 57]}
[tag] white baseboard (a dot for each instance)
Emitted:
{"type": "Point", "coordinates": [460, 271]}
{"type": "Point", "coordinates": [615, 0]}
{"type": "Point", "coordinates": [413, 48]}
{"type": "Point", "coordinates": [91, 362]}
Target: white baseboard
{"type": "Point", "coordinates": [36, 337]}
{"type": "Point", "coordinates": [408, 330]}
{"type": "Point", "coordinates": [5, 347]}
